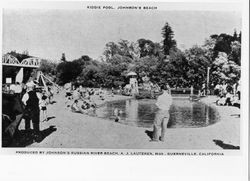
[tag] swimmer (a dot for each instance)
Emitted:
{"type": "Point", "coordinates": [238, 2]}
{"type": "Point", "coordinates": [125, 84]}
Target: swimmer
{"type": "Point", "coordinates": [117, 115]}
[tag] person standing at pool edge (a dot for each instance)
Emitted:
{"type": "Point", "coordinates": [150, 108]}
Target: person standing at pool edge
{"type": "Point", "coordinates": [31, 101]}
{"type": "Point", "coordinates": [164, 102]}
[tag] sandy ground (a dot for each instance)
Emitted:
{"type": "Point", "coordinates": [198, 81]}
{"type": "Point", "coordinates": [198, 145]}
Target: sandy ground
{"type": "Point", "coordinates": [75, 130]}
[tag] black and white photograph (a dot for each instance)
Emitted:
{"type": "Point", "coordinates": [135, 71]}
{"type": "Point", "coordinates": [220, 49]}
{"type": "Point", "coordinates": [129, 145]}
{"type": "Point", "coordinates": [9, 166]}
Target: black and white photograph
{"type": "Point", "coordinates": [124, 90]}
{"type": "Point", "coordinates": [121, 77]}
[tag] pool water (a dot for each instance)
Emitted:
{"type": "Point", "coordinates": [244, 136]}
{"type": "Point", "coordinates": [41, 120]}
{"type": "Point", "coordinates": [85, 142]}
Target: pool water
{"type": "Point", "coordinates": [141, 113]}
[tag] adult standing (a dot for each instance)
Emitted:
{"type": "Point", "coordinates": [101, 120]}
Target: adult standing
{"type": "Point", "coordinates": [31, 101]}
{"type": "Point", "coordinates": [50, 95]}
{"type": "Point", "coordinates": [217, 89]}
{"type": "Point", "coordinates": [224, 88]}
{"type": "Point", "coordinates": [238, 90]}
{"type": "Point", "coordinates": [164, 102]}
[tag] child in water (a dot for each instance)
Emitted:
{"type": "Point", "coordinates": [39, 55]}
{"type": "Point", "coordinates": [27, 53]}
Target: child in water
{"type": "Point", "coordinates": [117, 114]}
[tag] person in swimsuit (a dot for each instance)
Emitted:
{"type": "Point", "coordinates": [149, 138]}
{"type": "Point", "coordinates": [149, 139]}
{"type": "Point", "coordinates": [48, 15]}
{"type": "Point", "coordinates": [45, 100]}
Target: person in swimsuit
{"type": "Point", "coordinates": [43, 105]}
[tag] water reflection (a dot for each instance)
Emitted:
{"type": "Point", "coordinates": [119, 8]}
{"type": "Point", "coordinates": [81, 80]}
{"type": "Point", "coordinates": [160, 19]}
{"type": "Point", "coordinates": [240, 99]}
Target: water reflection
{"type": "Point", "coordinates": [183, 113]}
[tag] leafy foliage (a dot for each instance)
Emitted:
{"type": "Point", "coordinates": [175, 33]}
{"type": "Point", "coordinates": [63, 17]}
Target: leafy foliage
{"type": "Point", "coordinates": [48, 67]}
{"type": "Point", "coordinates": [162, 62]}
{"type": "Point", "coordinates": [225, 69]}
{"type": "Point", "coordinates": [67, 72]}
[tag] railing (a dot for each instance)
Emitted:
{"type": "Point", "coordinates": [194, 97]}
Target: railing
{"type": "Point", "coordinates": [10, 60]}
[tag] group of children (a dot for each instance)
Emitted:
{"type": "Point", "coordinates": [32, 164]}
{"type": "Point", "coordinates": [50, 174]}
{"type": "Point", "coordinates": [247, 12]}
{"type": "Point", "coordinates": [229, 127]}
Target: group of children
{"type": "Point", "coordinates": [83, 100]}
{"type": "Point", "coordinates": [228, 95]}
{"type": "Point", "coordinates": [85, 107]}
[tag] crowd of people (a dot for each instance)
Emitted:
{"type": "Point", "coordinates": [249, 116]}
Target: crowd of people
{"type": "Point", "coordinates": [228, 95]}
{"type": "Point", "coordinates": [82, 100]}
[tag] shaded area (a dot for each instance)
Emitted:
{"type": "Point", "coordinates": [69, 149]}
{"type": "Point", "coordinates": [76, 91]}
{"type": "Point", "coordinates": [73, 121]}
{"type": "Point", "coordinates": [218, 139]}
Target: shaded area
{"type": "Point", "coordinates": [225, 146]}
{"type": "Point", "coordinates": [149, 134]}
{"type": "Point", "coordinates": [12, 112]}
{"type": "Point", "coordinates": [49, 118]}
{"type": "Point", "coordinates": [236, 105]}
{"type": "Point", "coordinates": [236, 115]}
{"type": "Point", "coordinates": [52, 102]}
{"type": "Point", "coordinates": [24, 138]}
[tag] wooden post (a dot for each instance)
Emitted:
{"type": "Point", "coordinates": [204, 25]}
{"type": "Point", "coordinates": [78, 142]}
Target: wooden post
{"type": "Point", "coordinates": [44, 83]}
{"type": "Point", "coordinates": [38, 76]}
{"type": "Point", "coordinates": [208, 71]}
{"type": "Point", "coordinates": [51, 81]}
{"type": "Point", "coordinates": [191, 91]}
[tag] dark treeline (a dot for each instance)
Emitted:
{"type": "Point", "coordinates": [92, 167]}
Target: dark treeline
{"type": "Point", "coordinates": [163, 62]}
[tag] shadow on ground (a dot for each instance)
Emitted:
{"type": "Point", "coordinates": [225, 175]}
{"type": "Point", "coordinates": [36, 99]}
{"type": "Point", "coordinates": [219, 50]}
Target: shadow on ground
{"type": "Point", "coordinates": [235, 115]}
{"type": "Point", "coordinates": [49, 118]}
{"type": "Point", "coordinates": [52, 102]}
{"type": "Point", "coordinates": [149, 133]}
{"type": "Point", "coordinates": [225, 146]}
{"type": "Point", "coordinates": [25, 138]}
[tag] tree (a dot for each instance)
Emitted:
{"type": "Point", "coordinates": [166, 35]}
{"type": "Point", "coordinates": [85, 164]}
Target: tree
{"type": "Point", "coordinates": [134, 51]}
{"type": "Point", "coordinates": [149, 48]}
{"type": "Point", "coordinates": [223, 43]}
{"type": "Point", "coordinates": [239, 38]}
{"type": "Point", "coordinates": [25, 52]}
{"type": "Point", "coordinates": [168, 39]}
{"type": "Point", "coordinates": [146, 65]}
{"type": "Point", "coordinates": [124, 48]}
{"type": "Point", "coordinates": [226, 69]}
{"type": "Point", "coordinates": [235, 35]}
{"type": "Point", "coordinates": [63, 59]}
{"type": "Point", "coordinates": [67, 72]}
{"type": "Point", "coordinates": [48, 67]}
{"type": "Point", "coordinates": [89, 76]}
{"type": "Point", "coordinates": [110, 50]}
{"type": "Point", "coordinates": [235, 54]}
{"type": "Point", "coordinates": [208, 48]}
{"type": "Point", "coordinates": [198, 63]}
{"type": "Point", "coordinates": [127, 51]}
{"type": "Point", "coordinates": [83, 61]}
